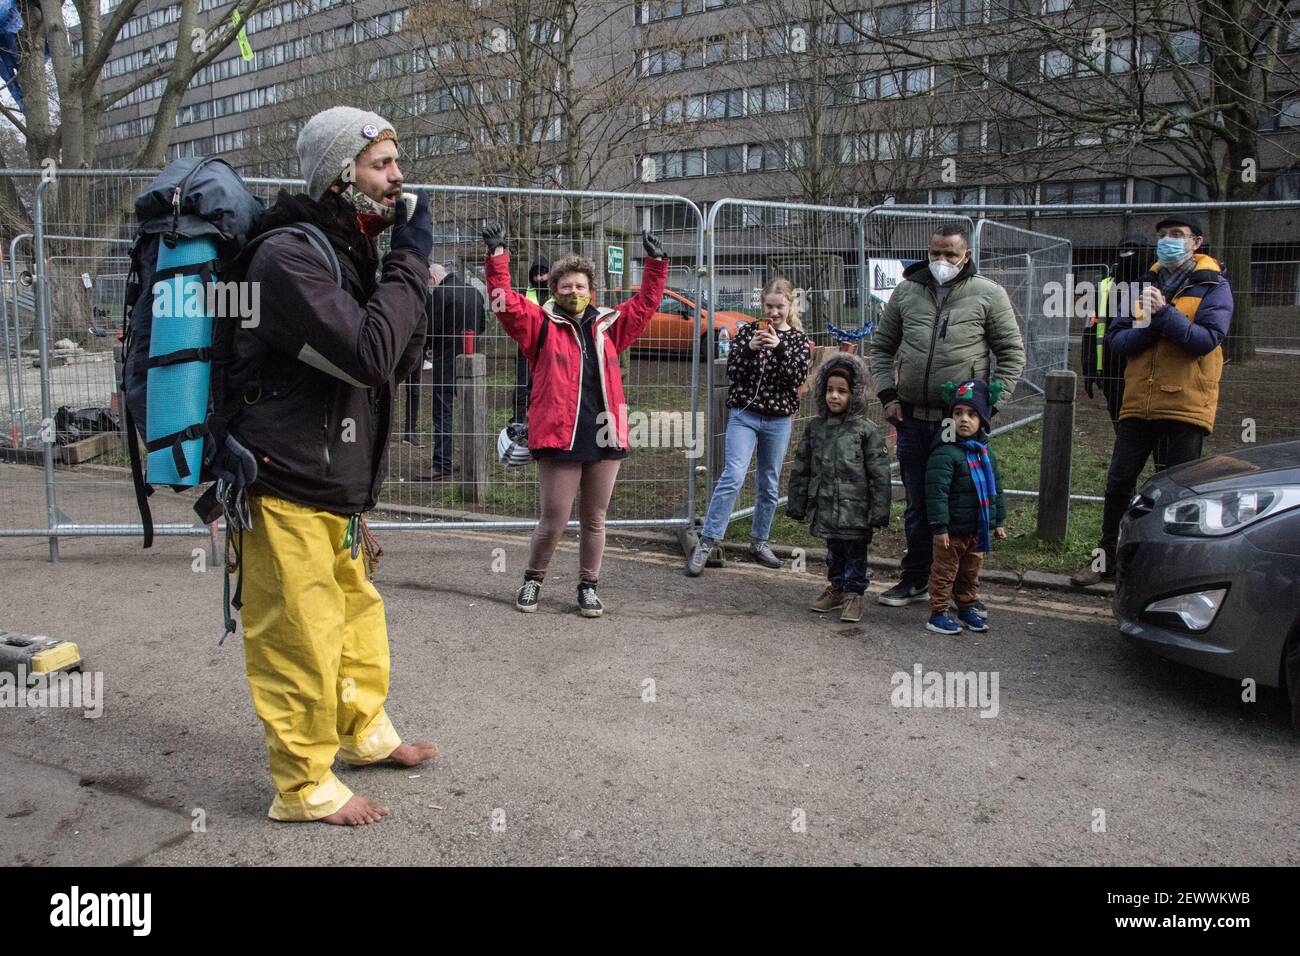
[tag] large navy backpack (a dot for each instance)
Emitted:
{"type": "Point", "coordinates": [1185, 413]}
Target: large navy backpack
{"type": "Point", "coordinates": [194, 221]}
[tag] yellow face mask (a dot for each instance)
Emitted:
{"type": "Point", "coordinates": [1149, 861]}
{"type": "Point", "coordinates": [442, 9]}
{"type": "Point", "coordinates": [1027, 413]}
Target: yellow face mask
{"type": "Point", "coordinates": [575, 303]}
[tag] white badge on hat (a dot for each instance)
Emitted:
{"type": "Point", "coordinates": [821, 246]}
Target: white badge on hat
{"type": "Point", "coordinates": [370, 131]}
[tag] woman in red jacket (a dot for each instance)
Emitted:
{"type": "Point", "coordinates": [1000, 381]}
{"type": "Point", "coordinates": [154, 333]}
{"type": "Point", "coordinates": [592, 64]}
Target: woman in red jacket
{"type": "Point", "coordinates": [577, 413]}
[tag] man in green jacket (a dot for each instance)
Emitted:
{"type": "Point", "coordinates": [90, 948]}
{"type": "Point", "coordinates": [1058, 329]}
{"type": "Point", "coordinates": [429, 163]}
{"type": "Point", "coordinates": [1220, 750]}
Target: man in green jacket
{"type": "Point", "coordinates": [941, 324]}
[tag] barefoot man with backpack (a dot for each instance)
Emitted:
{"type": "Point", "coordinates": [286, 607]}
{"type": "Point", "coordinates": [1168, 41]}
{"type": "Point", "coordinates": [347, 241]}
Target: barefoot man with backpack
{"type": "Point", "coordinates": [317, 375]}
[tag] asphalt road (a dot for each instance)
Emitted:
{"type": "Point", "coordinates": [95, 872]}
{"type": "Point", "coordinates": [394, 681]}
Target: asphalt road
{"type": "Point", "coordinates": [771, 737]}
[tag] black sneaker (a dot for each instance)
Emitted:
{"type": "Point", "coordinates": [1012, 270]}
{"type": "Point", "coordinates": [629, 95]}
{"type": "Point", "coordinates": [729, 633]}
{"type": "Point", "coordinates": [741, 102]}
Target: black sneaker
{"type": "Point", "coordinates": [588, 603]}
{"type": "Point", "coordinates": [529, 595]}
{"type": "Point", "coordinates": [904, 593]}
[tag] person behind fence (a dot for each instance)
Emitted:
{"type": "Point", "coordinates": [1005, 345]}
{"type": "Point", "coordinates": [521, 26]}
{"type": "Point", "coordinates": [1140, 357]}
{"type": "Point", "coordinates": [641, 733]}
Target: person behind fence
{"type": "Point", "coordinates": [941, 324]}
{"type": "Point", "coordinates": [578, 423]}
{"type": "Point", "coordinates": [455, 307]}
{"type": "Point", "coordinates": [767, 364]}
{"type": "Point", "coordinates": [840, 481]}
{"type": "Point", "coordinates": [1103, 369]}
{"type": "Point", "coordinates": [1173, 348]}
{"type": "Point", "coordinates": [964, 505]}
{"type": "Point", "coordinates": [539, 274]}
{"type": "Point", "coordinates": [318, 373]}
{"type": "Point", "coordinates": [410, 436]}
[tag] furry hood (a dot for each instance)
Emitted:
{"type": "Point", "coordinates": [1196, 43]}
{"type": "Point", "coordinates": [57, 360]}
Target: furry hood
{"type": "Point", "coordinates": [842, 363]}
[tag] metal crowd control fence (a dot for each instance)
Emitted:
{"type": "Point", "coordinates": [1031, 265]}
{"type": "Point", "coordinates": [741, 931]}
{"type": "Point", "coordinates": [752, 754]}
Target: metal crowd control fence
{"type": "Point", "coordinates": [1026, 263]}
{"type": "Point", "coordinates": [847, 261]}
{"type": "Point", "coordinates": [64, 280]}
{"type": "Point", "coordinates": [463, 395]}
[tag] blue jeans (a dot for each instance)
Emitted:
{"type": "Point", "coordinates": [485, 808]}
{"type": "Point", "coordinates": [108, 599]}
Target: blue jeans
{"type": "Point", "coordinates": [915, 436]}
{"type": "Point", "coordinates": [745, 431]}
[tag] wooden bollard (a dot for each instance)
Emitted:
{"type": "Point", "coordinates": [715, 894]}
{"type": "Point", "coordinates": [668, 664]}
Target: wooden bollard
{"type": "Point", "coordinates": [475, 447]}
{"type": "Point", "coordinates": [1054, 463]}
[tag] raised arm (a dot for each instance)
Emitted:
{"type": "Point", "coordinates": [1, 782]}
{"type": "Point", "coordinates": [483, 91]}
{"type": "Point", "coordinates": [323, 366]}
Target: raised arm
{"type": "Point", "coordinates": [635, 314]}
{"type": "Point", "coordinates": [323, 325]}
{"type": "Point", "coordinates": [521, 318]}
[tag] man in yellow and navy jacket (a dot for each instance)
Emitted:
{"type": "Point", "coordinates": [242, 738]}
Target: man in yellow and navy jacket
{"type": "Point", "coordinates": [1173, 344]}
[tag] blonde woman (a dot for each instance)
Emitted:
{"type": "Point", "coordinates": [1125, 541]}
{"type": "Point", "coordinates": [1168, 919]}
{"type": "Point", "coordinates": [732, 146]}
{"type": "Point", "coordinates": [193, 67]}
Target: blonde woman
{"type": "Point", "coordinates": [767, 364]}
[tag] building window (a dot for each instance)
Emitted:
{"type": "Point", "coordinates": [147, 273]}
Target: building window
{"type": "Point", "coordinates": [1169, 189]}
{"type": "Point", "coordinates": [969, 196]}
{"type": "Point", "coordinates": [956, 13]}
{"type": "Point", "coordinates": [724, 160]}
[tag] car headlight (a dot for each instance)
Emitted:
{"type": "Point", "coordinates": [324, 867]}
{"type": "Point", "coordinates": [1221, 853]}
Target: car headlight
{"type": "Point", "coordinates": [1227, 511]}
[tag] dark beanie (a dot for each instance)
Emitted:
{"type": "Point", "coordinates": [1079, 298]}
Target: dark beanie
{"type": "Point", "coordinates": [540, 265]}
{"type": "Point", "coordinates": [975, 394]}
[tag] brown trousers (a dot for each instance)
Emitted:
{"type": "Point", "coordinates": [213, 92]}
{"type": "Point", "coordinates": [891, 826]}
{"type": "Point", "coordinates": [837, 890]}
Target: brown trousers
{"type": "Point", "coordinates": [955, 569]}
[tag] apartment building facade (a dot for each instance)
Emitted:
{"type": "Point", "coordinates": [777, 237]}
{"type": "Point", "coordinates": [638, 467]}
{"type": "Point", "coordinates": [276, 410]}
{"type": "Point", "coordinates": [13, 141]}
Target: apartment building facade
{"type": "Point", "coordinates": [765, 99]}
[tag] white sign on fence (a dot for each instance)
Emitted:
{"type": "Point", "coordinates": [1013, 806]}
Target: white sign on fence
{"type": "Point", "coordinates": [885, 274]}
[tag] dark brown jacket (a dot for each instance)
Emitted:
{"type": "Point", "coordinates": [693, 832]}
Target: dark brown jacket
{"type": "Point", "coordinates": [321, 440]}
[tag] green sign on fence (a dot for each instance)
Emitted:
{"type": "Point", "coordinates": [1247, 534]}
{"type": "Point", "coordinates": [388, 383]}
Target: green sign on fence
{"type": "Point", "coordinates": [614, 255]}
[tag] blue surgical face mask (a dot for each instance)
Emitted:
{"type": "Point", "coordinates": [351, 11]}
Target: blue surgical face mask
{"type": "Point", "coordinates": [1170, 251]}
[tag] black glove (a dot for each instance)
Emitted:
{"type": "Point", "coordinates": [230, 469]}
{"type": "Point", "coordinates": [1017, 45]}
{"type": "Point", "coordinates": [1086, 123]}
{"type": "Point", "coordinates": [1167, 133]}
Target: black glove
{"type": "Point", "coordinates": [234, 464]}
{"type": "Point", "coordinates": [494, 235]}
{"type": "Point", "coordinates": [653, 248]}
{"type": "Point", "coordinates": [417, 232]}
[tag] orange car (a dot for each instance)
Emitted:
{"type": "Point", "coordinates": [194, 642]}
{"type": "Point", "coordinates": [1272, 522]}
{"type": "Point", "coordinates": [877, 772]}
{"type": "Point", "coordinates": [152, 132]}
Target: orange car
{"type": "Point", "coordinates": [675, 327]}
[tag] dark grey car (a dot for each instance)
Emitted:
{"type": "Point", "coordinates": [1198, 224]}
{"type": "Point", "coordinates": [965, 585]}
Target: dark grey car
{"type": "Point", "coordinates": [1209, 566]}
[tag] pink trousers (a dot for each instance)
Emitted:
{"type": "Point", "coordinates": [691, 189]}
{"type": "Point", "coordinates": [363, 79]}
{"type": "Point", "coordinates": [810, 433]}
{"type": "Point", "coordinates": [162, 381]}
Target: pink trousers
{"type": "Point", "coordinates": [592, 483]}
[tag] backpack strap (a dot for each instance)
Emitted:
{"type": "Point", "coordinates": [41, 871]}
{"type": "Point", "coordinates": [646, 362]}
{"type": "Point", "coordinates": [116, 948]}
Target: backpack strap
{"type": "Point", "coordinates": [314, 237]}
{"type": "Point", "coordinates": [142, 489]}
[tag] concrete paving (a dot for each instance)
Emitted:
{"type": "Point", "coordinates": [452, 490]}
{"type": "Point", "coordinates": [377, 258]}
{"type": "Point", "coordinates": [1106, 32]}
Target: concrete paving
{"type": "Point", "coordinates": [767, 736]}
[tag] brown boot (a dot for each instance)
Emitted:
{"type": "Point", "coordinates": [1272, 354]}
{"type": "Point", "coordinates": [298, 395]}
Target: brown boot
{"type": "Point", "coordinates": [1089, 576]}
{"type": "Point", "coordinates": [852, 610]}
{"type": "Point", "coordinates": [829, 601]}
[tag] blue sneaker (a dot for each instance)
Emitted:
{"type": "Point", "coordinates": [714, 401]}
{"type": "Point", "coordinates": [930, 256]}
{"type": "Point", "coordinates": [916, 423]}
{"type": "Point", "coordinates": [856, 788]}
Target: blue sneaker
{"type": "Point", "coordinates": [971, 617]}
{"type": "Point", "coordinates": [942, 624]}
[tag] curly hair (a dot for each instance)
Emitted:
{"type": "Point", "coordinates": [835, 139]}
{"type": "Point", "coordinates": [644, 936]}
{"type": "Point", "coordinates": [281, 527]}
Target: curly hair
{"type": "Point", "coordinates": [570, 264]}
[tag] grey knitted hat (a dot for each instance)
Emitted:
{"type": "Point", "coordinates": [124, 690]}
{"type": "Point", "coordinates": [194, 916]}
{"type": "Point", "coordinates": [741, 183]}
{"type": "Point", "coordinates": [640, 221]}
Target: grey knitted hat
{"type": "Point", "coordinates": [331, 138]}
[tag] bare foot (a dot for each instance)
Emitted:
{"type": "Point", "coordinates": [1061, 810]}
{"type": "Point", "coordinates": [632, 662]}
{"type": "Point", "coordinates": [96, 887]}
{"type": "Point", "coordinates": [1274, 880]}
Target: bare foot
{"type": "Point", "coordinates": [414, 753]}
{"type": "Point", "coordinates": [357, 812]}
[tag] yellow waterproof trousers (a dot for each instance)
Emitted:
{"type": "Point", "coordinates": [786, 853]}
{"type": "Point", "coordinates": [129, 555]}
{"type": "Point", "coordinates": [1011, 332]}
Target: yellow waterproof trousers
{"type": "Point", "coordinates": [316, 654]}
